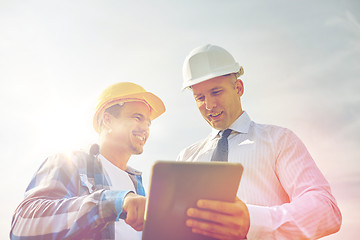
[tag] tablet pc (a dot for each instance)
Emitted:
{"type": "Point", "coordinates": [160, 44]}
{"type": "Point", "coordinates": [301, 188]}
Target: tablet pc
{"type": "Point", "coordinates": [176, 186]}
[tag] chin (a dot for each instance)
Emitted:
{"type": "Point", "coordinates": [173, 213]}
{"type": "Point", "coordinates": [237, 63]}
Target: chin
{"type": "Point", "coordinates": [137, 151]}
{"type": "Point", "coordinates": [218, 127]}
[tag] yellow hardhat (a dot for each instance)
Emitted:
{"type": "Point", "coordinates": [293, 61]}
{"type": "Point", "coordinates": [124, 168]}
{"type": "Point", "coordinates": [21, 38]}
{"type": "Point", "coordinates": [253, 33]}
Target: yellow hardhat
{"type": "Point", "coordinates": [127, 92]}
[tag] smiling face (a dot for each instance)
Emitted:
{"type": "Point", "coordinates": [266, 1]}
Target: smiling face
{"type": "Point", "coordinates": [128, 132]}
{"type": "Point", "coordinates": [218, 100]}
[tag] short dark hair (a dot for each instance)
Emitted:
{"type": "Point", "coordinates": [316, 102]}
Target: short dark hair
{"type": "Point", "coordinates": [114, 110]}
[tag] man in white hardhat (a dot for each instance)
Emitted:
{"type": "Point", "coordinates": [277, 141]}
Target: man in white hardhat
{"type": "Point", "coordinates": [282, 194]}
{"type": "Point", "coordinates": [96, 195]}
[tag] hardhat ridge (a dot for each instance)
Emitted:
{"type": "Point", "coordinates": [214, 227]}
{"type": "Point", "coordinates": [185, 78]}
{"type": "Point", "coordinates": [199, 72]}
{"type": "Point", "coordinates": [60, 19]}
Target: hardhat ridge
{"type": "Point", "coordinates": [206, 62]}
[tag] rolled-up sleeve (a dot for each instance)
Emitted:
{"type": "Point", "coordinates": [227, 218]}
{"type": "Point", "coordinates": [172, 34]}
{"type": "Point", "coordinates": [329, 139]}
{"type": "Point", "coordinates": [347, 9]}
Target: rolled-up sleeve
{"type": "Point", "coordinates": [58, 206]}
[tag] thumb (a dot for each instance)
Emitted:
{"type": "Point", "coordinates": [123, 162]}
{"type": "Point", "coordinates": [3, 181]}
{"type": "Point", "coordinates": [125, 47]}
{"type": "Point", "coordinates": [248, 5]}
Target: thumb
{"type": "Point", "coordinates": [237, 199]}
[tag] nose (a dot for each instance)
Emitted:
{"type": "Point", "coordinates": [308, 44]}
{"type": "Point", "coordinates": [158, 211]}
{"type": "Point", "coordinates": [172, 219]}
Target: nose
{"type": "Point", "coordinates": [146, 132]}
{"type": "Point", "coordinates": [145, 127]}
{"type": "Point", "coordinates": [210, 103]}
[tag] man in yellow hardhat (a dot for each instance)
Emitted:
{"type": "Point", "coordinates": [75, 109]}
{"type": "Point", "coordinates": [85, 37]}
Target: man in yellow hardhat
{"type": "Point", "coordinates": [94, 195]}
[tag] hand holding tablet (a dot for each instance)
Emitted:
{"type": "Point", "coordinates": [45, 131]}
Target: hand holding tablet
{"type": "Point", "coordinates": [220, 220]}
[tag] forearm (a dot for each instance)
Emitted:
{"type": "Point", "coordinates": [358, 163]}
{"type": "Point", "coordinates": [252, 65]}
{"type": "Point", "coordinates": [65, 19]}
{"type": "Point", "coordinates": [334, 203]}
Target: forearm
{"type": "Point", "coordinates": [58, 218]}
{"type": "Point", "coordinates": [309, 211]}
{"type": "Point", "coordinates": [62, 202]}
{"type": "Point", "coordinates": [308, 217]}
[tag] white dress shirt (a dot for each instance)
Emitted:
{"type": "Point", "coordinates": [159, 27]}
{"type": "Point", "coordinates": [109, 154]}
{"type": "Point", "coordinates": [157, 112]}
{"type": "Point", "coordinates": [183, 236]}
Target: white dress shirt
{"type": "Point", "coordinates": [286, 194]}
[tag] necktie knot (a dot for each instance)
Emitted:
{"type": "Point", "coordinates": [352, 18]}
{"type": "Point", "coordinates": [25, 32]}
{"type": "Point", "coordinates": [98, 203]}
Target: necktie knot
{"type": "Point", "coordinates": [226, 133]}
{"type": "Point", "coordinates": [221, 151]}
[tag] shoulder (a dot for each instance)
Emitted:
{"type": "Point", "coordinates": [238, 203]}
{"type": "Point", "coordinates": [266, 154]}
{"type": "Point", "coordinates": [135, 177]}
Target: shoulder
{"type": "Point", "coordinates": [193, 149]}
{"type": "Point", "coordinates": [59, 169]}
{"type": "Point", "coordinates": [276, 136]}
{"type": "Point", "coordinates": [271, 131]}
{"type": "Point", "coordinates": [68, 160]}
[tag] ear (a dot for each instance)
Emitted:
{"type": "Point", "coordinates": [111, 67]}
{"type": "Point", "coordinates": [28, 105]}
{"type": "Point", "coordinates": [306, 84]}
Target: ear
{"type": "Point", "coordinates": [239, 86]}
{"type": "Point", "coordinates": [107, 121]}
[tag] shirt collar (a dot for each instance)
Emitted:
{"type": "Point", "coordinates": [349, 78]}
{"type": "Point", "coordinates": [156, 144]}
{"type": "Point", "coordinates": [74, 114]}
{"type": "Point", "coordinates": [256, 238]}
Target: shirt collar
{"type": "Point", "coordinates": [241, 125]}
{"type": "Point", "coordinates": [129, 169]}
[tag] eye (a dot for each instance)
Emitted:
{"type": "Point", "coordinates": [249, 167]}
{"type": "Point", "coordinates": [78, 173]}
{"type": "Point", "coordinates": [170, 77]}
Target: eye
{"type": "Point", "coordinates": [137, 117]}
{"type": "Point", "coordinates": [200, 98]}
{"type": "Point", "coordinates": [217, 92]}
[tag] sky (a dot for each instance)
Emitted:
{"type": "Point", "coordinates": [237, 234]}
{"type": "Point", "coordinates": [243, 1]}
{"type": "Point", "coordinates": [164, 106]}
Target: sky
{"type": "Point", "coordinates": [301, 62]}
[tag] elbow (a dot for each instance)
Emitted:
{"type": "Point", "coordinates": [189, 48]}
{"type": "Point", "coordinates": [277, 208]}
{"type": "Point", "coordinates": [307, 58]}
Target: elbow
{"type": "Point", "coordinates": [338, 220]}
{"type": "Point", "coordinates": [335, 221]}
{"type": "Point", "coordinates": [15, 231]}
{"type": "Point", "coordinates": [331, 220]}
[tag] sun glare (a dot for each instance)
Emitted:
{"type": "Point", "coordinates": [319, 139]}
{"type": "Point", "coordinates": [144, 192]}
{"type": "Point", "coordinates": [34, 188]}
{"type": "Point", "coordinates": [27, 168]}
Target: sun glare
{"type": "Point", "coordinates": [65, 127]}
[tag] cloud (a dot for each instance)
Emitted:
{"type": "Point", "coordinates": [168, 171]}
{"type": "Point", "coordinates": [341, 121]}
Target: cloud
{"type": "Point", "coordinates": [348, 21]}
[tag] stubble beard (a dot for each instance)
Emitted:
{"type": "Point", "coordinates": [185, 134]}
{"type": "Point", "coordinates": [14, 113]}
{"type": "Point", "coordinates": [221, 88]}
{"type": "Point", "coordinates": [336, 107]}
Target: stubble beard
{"type": "Point", "coordinates": [137, 150]}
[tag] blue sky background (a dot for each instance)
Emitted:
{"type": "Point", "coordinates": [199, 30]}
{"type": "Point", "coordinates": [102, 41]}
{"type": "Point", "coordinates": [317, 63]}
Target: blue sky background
{"type": "Point", "coordinates": [301, 61]}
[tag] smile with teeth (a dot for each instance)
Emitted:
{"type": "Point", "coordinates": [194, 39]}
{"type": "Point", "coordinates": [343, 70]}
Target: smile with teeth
{"type": "Point", "coordinates": [140, 137]}
{"type": "Point", "coordinates": [214, 115]}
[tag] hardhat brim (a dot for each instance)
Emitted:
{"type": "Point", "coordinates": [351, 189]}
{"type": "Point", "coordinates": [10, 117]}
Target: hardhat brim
{"type": "Point", "coordinates": [154, 102]}
{"type": "Point", "coordinates": [235, 69]}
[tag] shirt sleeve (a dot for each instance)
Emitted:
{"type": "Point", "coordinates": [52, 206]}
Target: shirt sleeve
{"type": "Point", "coordinates": [56, 206]}
{"type": "Point", "coordinates": [311, 212]}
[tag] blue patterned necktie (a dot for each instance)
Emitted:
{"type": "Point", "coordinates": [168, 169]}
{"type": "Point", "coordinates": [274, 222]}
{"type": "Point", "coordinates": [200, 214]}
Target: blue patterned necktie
{"type": "Point", "coordinates": [221, 151]}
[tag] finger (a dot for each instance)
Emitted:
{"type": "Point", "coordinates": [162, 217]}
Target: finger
{"type": "Point", "coordinates": [209, 216]}
{"type": "Point", "coordinates": [208, 229]}
{"type": "Point", "coordinates": [231, 208]}
{"type": "Point", "coordinates": [215, 230]}
{"type": "Point", "coordinates": [135, 216]}
{"type": "Point", "coordinates": [140, 218]}
{"type": "Point", "coordinates": [217, 236]}
{"type": "Point", "coordinates": [208, 234]}
{"type": "Point", "coordinates": [229, 225]}
{"type": "Point", "coordinates": [131, 216]}
{"type": "Point", "coordinates": [138, 227]}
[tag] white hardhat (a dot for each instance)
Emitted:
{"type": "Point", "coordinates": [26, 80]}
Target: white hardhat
{"type": "Point", "coordinates": [206, 62]}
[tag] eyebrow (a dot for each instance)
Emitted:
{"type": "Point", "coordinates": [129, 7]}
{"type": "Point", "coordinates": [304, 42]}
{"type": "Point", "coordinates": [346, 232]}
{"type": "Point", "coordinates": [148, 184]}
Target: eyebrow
{"type": "Point", "coordinates": [142, 116]}
{"type": "Point", "coordinates": [211, 90]}
{"type": "Point", "coordinates": [215, 89]}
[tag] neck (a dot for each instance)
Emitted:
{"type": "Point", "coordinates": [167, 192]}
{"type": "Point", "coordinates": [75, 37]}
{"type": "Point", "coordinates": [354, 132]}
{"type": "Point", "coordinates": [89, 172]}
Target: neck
{"type": "Point", "coordinates": [116, 157]}
{"type": "Point", "coordinates": [241, 112]}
